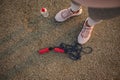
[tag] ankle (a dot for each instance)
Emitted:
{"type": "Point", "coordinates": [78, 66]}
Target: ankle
{"type": "Point", "coordinates": [86, 23]}
{"type": "Point", "coordinates": [92, 22]}
{"type": "Point", "coordinates": [74, 12]}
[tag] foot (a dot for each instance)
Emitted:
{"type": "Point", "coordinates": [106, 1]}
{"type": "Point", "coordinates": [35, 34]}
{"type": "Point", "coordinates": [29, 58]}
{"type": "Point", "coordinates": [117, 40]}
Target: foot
{"type": "Point", "coordinates": [66, 14]}
{"type": "Point", "coordinates": [85, 33]}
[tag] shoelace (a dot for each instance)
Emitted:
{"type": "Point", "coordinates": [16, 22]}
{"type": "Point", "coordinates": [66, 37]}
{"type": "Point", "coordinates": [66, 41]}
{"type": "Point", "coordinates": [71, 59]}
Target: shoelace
{"type": "Point", "coordinates": [86, 32]}
{"type": "Point", "coordinates": [66, 14]}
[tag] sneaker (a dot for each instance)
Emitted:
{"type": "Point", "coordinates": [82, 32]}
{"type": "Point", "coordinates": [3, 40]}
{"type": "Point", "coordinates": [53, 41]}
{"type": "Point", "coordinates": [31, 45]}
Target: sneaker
{"type": "Point", "coordinates": [66, 13]}
{"type": "Point", "coordinates": [85, 33]}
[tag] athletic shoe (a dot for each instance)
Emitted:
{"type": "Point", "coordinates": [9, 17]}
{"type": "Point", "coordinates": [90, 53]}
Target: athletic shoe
{"type": "Point", "coordinates": [66, 14]}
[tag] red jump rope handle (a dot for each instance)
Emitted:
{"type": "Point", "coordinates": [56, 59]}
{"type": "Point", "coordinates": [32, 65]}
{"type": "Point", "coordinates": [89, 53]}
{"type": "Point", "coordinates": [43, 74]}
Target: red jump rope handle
{"type": "Point", "coordinates": [45, 50]}
{"type": "Point", "coordinates": [59, 50]}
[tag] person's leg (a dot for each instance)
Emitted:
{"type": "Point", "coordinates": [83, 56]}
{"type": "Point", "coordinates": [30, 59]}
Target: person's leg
{"type": "Point", "coordinates": [74, 10]}
{"type": "Point", "coordinates": [96, 16]}
{"type": "Point", "coordinates": [75, 6]}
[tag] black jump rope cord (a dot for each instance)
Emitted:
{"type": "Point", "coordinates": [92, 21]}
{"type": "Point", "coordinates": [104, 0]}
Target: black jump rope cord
{"type": "Point", "coordinates": [73, 51]}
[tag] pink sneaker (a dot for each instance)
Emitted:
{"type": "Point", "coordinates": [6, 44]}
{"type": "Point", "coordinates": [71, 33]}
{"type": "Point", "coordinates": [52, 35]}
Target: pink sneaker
{"type": "Point", "coordinates": [85, 33]}
{"type": "Point", "coordinates": [65, 14]}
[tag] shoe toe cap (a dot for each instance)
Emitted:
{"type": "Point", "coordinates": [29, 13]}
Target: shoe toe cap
{"type": "Point", "coordinates": [82, 40]}
{"type": "Point", "coordinates": [58, 18]}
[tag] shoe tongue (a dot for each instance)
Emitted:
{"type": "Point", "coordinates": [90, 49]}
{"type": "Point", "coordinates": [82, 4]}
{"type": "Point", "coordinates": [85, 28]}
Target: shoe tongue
{"type": "Point", "coordinates": [87, 25]}
{"type": "Point", "coordinates": [74, 12]}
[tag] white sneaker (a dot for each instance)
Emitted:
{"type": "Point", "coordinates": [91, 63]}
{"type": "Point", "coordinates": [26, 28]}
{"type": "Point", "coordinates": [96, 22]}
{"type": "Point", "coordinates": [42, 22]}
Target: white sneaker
{"type": "Point", "coordinates": [65, 14]}
{"type": "Point", "coordinates": [85, 33]}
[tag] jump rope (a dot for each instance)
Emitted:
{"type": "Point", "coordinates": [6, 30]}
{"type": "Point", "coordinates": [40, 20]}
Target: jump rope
{"type": "Point", "coordinates": [74, 51]}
